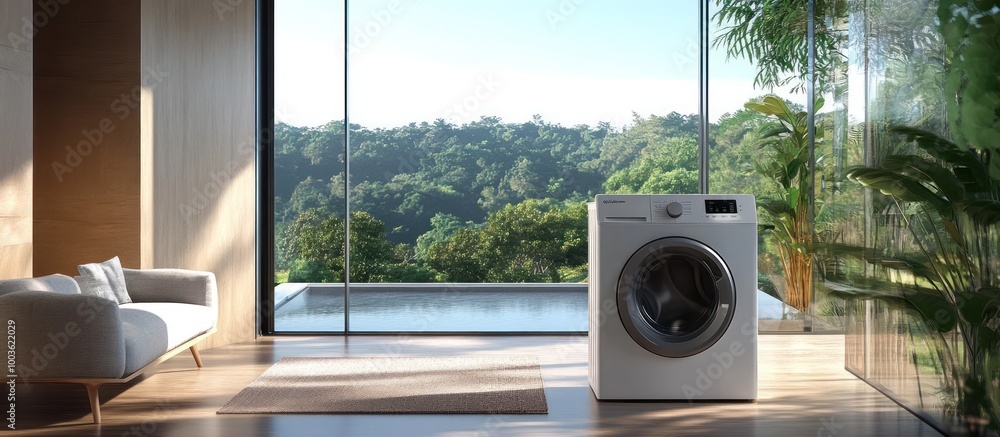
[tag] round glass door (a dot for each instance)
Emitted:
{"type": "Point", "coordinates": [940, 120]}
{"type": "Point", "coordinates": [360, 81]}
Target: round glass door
{"type": "Point", "coordinates": [676, 297]}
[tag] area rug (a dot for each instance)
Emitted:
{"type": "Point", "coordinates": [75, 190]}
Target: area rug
{"type": "Point", "coordinates": [396, 385]}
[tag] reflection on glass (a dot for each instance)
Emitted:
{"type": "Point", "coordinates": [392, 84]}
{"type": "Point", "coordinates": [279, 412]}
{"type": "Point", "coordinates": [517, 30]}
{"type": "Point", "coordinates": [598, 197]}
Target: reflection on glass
{"type": "Point", "coordinates": [896, 69]}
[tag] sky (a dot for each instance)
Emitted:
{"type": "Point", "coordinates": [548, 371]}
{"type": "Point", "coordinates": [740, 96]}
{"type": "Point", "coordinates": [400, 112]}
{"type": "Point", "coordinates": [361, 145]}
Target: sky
{"type": "Point", "coordinates": [570, 61]}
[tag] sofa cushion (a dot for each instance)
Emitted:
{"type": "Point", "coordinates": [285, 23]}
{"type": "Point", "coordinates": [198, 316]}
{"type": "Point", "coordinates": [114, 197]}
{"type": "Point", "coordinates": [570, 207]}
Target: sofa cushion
{"type": "Point", "coordinates": [153, 328]}
{"type": "Point", "coordinates": [53, 283]}
{"type": "Point", "coordinates": [95, 287]}
{"type": "Point", "coordinates": [103, 275]}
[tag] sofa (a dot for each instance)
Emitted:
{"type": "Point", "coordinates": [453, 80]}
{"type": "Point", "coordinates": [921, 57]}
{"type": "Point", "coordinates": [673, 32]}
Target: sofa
{"type": "Point", "coordinates": [62, 335]}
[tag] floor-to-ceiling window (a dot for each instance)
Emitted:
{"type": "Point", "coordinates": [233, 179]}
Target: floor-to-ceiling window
{"type": "Point", "coordinates": [432, 159]}
{"type": "Point", "coordinates": [477, 133]}
{"type": "Point", "coordinates": [308, 166]}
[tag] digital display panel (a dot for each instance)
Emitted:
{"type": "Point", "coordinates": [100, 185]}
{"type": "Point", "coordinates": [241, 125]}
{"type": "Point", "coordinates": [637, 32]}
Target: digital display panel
{"type": "Point", "coordinates": [720, 206]}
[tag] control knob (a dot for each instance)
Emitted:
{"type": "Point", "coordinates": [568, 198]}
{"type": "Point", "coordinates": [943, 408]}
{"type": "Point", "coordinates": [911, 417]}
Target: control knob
{"type": "Point", "coordinates": [675, 209]}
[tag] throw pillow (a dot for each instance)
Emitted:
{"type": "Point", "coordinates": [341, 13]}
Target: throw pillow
{"type": "Point", "coordinates": [108, 273]}
{"type": "Point", "coordinates": [94, 287]}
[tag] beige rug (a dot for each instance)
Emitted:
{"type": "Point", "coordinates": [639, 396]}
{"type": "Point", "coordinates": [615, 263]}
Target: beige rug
{"type": "Point", "coordinates": [390, 385]}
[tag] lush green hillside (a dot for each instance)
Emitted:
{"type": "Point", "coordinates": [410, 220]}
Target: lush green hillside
{"type": "Point", "coordinates": [485, 201]}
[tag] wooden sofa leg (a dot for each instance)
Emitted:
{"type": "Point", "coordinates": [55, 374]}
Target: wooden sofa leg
{"type": "Point", "coordinates": [197, 357]}
{"type": "Point", "coordinates": [95, 401]}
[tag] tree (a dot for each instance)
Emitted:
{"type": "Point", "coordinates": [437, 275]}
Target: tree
{"type": "Point", "coordinates": [668, 165]}
{"type": "Point", "coordinates": [442, 227]}
{"type": "Point", "coordinates": [733, 145]}
{"type": "Point", "coordinates": [527, 242]}
{"type": "Point", "coordinates": [309, 194]}
{"type": "Point", "coordinates": [313, 245]}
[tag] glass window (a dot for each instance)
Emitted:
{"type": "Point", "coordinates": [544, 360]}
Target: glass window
{"type": "Point", "coordinates": [309, 150]}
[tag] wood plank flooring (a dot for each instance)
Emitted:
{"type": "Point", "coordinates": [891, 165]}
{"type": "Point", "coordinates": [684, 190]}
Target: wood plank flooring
{"type": "Point", "coordinates": [803, 391]}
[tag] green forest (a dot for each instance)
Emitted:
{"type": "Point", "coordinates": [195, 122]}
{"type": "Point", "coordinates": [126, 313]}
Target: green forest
{"type": "Point", "coordinates": [486, 201]}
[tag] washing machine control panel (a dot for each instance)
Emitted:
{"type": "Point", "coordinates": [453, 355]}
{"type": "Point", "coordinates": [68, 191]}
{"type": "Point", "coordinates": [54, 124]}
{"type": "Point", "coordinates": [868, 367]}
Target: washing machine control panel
{"type": "Point", "coordinates": [696, 208]}
{"type": "Point", "coordinates": [670, 208]}
{"type": "Point", "coordinates": [677, 208]}
{"type": "Point", "coordinates": [720, 206]}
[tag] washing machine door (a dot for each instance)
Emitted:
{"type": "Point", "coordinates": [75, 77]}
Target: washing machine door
{"type": "Point", "coordinates": [676, 297]}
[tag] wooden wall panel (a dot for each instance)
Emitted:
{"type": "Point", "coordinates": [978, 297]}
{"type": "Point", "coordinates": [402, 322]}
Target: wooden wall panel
{"type": "Point", "coordinates": [15, 140]}
{"type": "Point", "coordinates": [197, 144]}
{"type": "Point", "coordinates": [86, 135]}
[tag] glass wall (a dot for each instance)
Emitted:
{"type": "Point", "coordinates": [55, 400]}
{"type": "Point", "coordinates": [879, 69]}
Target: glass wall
{"type": "Point", "coordinates": [309, 151]}
{"type": "Point", "coordinates": [478, 130]}
{"type": "Point", "coordinates": [473, 150]}
{"type": "Point", "coordinates": [918, 64]}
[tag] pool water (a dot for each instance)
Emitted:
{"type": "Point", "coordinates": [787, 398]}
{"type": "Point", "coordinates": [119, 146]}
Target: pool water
{"type": "Point", "coordinates": [322, 309]}
{"type": "Point", "coordinates": [481, 308]}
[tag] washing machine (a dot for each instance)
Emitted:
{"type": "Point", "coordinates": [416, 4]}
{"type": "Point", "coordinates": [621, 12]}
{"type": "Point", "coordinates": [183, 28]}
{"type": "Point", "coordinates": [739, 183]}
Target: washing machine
{"type": "Point", "coordinates": [673, 297]}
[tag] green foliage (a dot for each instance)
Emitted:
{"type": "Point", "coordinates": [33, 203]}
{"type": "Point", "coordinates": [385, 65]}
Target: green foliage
{"type": "Point", "coordinates": [951, 207]}
{"type": "Point", "coordinates": [528, 242]}
{"type": "Point", "coordinates": [442, 227]}
{"type": "Point", "coordinates": [314, 244]}
{"type": "Point", "coordinates": [733, 143]}
{"type": "Point", "coordinates": [667, 166]}
{"type": "Point", "coordinates": [309, 270]}
{"type": "Point", "coordinates": [438, 202]}
{"type": "Point", "coordinates": [620, 150]}
{"type": "Point", "coordinates": [971, 32]}
{"type": "Point", "coordinates": [785, 161]}
{"type": "Point", "coordinates": [435, 198]}
{"type": "Point", "coordinates": [406, 175]}
{"type": "Point", "coordinates": [772, 34]}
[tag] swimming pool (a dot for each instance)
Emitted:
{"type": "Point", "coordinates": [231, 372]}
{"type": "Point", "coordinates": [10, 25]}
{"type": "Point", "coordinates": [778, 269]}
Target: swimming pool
{"type": "Point", "coordinates": [443, 308]}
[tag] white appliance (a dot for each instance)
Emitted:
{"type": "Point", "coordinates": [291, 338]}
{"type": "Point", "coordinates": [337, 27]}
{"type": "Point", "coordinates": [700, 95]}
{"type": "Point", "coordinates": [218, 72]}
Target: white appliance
{"type": "Point", "coordinates": [673, 297]}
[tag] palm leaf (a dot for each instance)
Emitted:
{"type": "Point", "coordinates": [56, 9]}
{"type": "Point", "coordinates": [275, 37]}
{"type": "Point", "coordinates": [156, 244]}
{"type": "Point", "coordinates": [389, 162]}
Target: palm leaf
{"type": "Point", "coordinates": [980, 306]}
{"type": "Point", "coordinates": [969, 167]}
{"type": "Point", "coordinates": [985, 212]}
{"type": "Point", "coordinates": [899, 186]}
{"type": "Point", "coordinates": [927, 171]}
{"type": "Point", "coordinates": [776, 207]}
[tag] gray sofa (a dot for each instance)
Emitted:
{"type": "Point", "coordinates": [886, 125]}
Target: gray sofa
{"type": "Point", "coordinates": [65, 336]}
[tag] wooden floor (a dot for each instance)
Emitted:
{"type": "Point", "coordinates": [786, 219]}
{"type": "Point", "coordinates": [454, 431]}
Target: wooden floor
{"type": "Point", "coordinates": [803, 391]}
